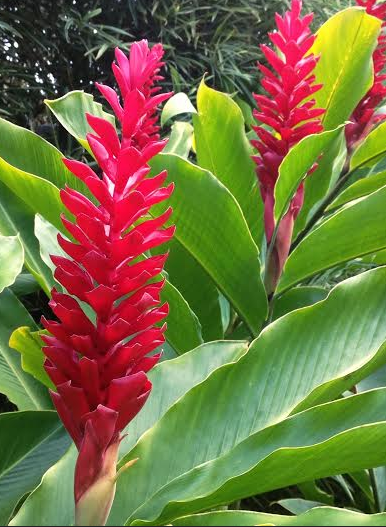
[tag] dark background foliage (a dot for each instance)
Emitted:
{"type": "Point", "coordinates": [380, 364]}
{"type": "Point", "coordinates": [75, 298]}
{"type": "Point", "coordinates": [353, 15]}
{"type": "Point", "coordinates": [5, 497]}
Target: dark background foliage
{"type": "Point", "coordinates": [49, 48]}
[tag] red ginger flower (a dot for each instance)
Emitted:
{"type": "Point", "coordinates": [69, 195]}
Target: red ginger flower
{"type": "Point", "coordinates": [99, 367]}
{"type": "Point", "coordinates": [364, 118]}
{"type": "Point", "coordinates": [289, 115]}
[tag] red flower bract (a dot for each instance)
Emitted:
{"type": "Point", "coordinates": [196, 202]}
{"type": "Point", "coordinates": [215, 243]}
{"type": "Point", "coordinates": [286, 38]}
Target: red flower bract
{"type": "Point", "coordinates": [364, 116]}
{"type": "Point", "coordinates": [99, 366]}
{"type": "Point", "coordinates": [289, 113]}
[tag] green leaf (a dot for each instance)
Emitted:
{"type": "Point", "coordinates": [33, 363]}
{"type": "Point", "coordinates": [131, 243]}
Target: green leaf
{"type": "Point", "coordinates": [353, 231]}
{"type": "Point", "coordinates": [321, 516]}
{"type": "Point", "coordinates": [295, 166]}
{"type": "Point", "coordinates": [223, 149]}
{"type": "Point", "coordinates": [371, 150]}
{"type": "Point", "coordinates": [25, 284]}
{"type": "Point", "coordinates": [176, 105]}
{"type": "Point", "coordinates": [70, 110]}
{"type": "Point", "coordinates": [209, 222]}
{"type": "Point", "coordinates": [362, 187]}
{"type": "Point", "coordinates": [322, 180]}
{"type": "Point", "coordinates": [197, 287]}
{"type": "Point", "coordinates": [183, 332]}
{"type": "Point", "coordinates": [16, 217]}
{"type": "Point", "coordinates": [345, 44]}
{"type": "Point", "coordinates": [29, 344]}
{"type": "Point", "coordinates": [329, 439]}
{"type": "Point", "coordinates": [180, 140]}
{"type": "Point", "coordinates": [298, 505]}
{"type": "Point", "coordinates": [310, 356]}
{"type": "Point", "coordinates": [172, 379]}
{"type": "Point", "coordinates": [11, 260]}
{"type": "Point", "coordinates": [33, 170]}
{"type": "Point", "coordinates": [296, 298]}
{"type": "Point", "coordinates": [20, 388]}
{"type": "Point", "coordinates": [30, 443]}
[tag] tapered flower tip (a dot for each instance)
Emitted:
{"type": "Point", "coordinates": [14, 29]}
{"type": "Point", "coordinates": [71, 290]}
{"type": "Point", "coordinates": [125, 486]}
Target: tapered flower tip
{"type": "Point", "coordinates": [94, 505]}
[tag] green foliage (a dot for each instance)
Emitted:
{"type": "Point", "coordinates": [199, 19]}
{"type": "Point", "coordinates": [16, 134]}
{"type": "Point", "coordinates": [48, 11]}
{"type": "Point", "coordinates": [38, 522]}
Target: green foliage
{"type": "Point", "coordinates": [298, 415]}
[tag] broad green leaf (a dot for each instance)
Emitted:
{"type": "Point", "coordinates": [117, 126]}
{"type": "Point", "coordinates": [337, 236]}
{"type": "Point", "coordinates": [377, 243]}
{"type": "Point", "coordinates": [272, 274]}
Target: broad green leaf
{"type": "Point", "coordinates": [362, 187]}
{"type": "Point", "coordinates": [11, 260]}
{"type": "Point", "coordinates": [329, 439]}
{"type": "Point", "coordinates": [29, 344]}
{"type": "Point", "coordinates": [210, 225]}
{"type": "Point", "coordinates": [296, 298]}
{"type": "Point", "coordinates": [16, 217]}
{"type": "Point", "coordinates": [20, 388]}
{"type": "Point", "coordinates": [345, 44]}
{"type": "Point", "coordinates": [307, 357]}
{"type": "Point", "coordinates": [312, 491]}
{"type": "Point", "coordinates": [295, 166]}
{"type": "Point", "coordinates": [322, 180]}
{"type": "Point", "coordinates": [183, 331]}
{"type": "Point", "coordinates": [176, 105]}
{"type": "Point", "coordinates": [198, 289]}
{"type": "Point", "coordinates": [321, 516]}
{"type": "Point", "coordinates": [180, 140]}
{"type": "Point", "coordinates": [25, 284]}
{"type": "Point", "coordinates": [172, 379]}
{"type": "Point", "coordinates": [33, 169]}
{"type": "Point", "coordinates": [70, 110]}
{"type": "Point", "coordinates": [30, 442]}
{"type": "Point", "coordinates": [371, 150]}
{"type": "Point", "coordinates": [298, 505]}
{"type": "Point", "coordinates": [353, 231]}
{"type": "Point", "coordinates": [223, 149]}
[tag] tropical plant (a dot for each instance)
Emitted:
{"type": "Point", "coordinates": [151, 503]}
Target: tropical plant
{"type": "Point", "coordinates": [49, 48]}
{"type": "Point", "coordinates": [272, 385]}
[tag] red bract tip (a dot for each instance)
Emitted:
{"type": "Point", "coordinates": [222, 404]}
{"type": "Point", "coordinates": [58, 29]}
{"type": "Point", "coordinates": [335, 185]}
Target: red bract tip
{"type": "Point", "coordinates": [99, 363]}
{"type": "Point", "coordinates": [364, 116]}
{"type": "Point", "coordinates": [288, 115]}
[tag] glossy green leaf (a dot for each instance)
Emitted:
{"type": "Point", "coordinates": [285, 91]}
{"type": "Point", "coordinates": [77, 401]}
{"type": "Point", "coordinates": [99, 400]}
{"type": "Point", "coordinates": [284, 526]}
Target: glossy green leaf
{"type": "Point", "coordinates": [30, 443]}
{"type": "Point", "coordinates": [172, 379]}
{"type": "Point", "coordinates": [345, 68]}
{"type": "Point", "coordinates": [223, 149]}
{"type": "Point", "coordinates": [197, 287]}
{"type": "Point", "coordinates": [70, 110]}
{"type": "Point", "coordinates": [362, 187]}
{"type": "Point", "coordinates": [33, 169]}
{"type": "Point", "coordinates": [295, 166]}
{"type": "Point", "coordinates": [29, 344]}
{"type": "Point", "coordinates": [183, 331]}
{"type": "Point", "coordinates": [298, 505]}
{"type": "Point", "coordinates": [321, 181]}
{"type": "Point", "coordinates": [25, 284]}
{"type": "Point", "coordinates": [307, 357]}
{"type": "Point", "coordinates": [325, 440]}
{"type": "Point", "coordinates": [180, 140]}
{"type": "Point", "coordinates": [353, 231]}
{"type": "Point", "coordinates": [16, 217]}
{"type": "Point", "coordinates": [323, 516]}
{"type": "Point", "coordinates": [296, 298]}
{"type": "Point", "coordinates": [11, 260]}
{"type": "Point", "coordinates": [371, 150]}
{"type": "Point", "coordinates": [20, 388]}
{"type": "Point", "coordinates": [176, 105]}
{"type": "Point", "coordinates": [210, 225]}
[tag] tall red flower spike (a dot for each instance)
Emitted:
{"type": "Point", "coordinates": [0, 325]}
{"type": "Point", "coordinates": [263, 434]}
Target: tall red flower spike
{"type": "Point", "coordinates": [364, 116]}
{"type": "Point", "coordinates": [289, 115]}
{"type": "Point", "coordinates": [99, 366]}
